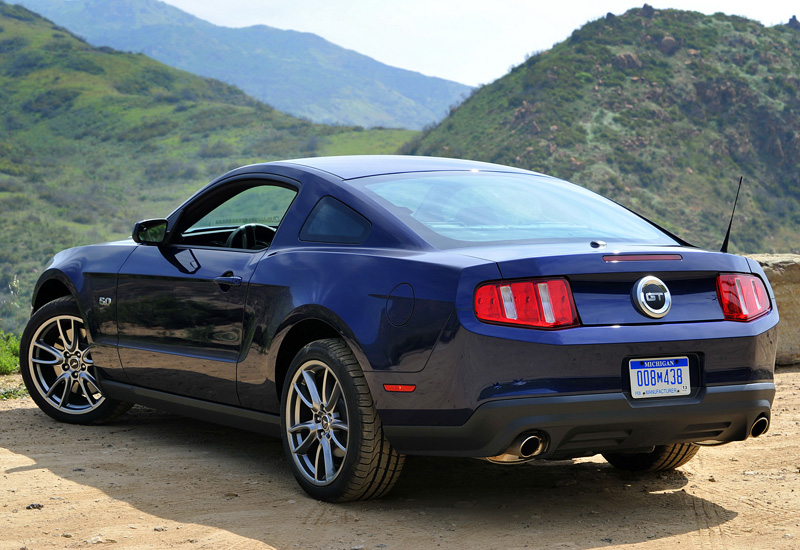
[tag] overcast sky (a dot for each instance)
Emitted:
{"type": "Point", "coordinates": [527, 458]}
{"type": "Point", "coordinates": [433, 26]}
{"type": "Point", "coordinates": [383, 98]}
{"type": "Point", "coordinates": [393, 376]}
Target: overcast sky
{"type": "Point", "coordinates": [469, 41]}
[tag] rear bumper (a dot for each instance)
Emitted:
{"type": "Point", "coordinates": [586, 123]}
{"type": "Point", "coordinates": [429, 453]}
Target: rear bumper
{"type": "Point", "coordinates": [583, 425]}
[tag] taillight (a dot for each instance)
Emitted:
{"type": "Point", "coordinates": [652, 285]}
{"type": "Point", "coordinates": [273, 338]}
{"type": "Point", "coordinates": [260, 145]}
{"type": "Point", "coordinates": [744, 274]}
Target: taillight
{"type": "Point", "coordinates": [539, 303]}
{"type": "Point", "coordinates": [742, 297]}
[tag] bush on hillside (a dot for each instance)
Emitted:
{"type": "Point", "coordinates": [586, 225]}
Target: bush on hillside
{"type": "Point", "coordinates": [9, 353]}
{"type": "Point", "coordinates": [51, 102]}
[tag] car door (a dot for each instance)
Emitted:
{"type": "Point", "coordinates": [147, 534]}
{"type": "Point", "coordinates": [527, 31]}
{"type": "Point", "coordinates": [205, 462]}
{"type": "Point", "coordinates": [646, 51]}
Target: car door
{"type": "Point", "coordinates": [180, 305]}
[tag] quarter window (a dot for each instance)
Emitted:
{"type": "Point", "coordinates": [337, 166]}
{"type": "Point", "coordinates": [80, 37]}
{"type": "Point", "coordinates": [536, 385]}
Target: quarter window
{"type": "Point", "coordinates": [332, 221]}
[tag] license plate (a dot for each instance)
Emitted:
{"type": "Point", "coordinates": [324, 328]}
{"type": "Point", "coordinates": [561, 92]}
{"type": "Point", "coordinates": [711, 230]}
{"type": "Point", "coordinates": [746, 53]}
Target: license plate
{"type": "Point", "coordinates": [660, 377]}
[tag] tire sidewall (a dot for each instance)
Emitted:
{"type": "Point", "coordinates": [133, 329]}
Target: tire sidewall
{"type": "Point", "coordinates": [320, 351]}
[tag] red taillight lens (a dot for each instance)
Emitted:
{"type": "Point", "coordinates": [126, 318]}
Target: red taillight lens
{"type": "Point", "coordinates": [742, 297]}
{"type": "Point", "coordinates": [539, 303]}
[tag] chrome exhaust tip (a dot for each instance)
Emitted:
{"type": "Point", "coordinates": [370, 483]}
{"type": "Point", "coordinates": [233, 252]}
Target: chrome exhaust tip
{"type": "Point", "coordinates": [524, 448]}
{"type": "Point", "coordinates": [760, 426]}
{"type": "Point", "coordinates": [531, 446]}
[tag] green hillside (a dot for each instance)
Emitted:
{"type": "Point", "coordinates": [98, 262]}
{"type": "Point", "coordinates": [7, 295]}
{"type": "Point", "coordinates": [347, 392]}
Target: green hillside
{"type": "Point", "coordinates": [661, 110]}
{"type": "Point", "coordinates": [92, 140]}
{"type": "Point", "coordinates": [296, 72]}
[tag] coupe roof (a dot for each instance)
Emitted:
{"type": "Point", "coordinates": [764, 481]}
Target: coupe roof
{"type": "Point", "coordinates": [361, 166]}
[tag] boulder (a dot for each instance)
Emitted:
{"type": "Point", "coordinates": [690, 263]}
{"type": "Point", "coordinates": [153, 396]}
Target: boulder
{"type": "Point", "coordinates": [783, 272]}
{"type": "Point", "coordinates": [627, 60]}
{"type": "Point", "coordinates": [669, 45]}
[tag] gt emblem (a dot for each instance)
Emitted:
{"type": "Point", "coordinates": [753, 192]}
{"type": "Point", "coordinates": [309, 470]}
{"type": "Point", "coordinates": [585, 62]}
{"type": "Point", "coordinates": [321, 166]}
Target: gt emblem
{"type": "Point", "coordinates": [104, 301]}
{"type": "Point", "coordinates": [651, 297]}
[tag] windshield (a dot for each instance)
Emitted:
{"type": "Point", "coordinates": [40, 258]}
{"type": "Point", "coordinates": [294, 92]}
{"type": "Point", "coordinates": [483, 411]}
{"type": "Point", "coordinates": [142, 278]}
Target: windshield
{"type": "Point", "coordinates": [457, 209]}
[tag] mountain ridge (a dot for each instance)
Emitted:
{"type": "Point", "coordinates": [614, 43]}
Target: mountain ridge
{"type": "Point", "coordinates": [297, 72]}
{"type": "Point", "coordinates": [662, 111]}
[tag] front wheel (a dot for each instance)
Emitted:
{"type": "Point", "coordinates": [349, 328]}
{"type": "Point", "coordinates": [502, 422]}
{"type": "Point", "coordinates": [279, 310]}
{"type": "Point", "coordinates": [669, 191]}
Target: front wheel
{"type": "Point", "coordinates": [332, 435]}
{"type": "Point", "coordinates": [663, 457]}
{"type": "Point", "coordinates": [57, 368]}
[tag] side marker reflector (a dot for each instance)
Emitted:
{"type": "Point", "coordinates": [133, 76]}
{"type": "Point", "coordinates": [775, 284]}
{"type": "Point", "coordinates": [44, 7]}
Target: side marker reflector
{"type": "Point", "coordinates": [400, 388]}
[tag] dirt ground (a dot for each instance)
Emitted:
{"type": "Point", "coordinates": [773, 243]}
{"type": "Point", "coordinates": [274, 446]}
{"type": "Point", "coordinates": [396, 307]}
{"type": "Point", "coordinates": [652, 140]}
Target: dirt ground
{"type": "Point", "coordinates": [154, 480]}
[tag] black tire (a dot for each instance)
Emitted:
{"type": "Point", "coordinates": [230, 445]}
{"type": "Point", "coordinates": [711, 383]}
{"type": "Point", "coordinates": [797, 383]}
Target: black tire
{"type": "Point", "coordinates": [57, 368]}
{"type": "Point", "coordinates": [335, 427]}
{"type": "Point", "coordinates": [663, 457]}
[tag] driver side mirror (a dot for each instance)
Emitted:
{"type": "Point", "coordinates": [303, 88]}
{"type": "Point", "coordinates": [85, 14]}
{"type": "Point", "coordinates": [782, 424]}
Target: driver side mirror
{"type": "Point", "coordinates": [150, 231]}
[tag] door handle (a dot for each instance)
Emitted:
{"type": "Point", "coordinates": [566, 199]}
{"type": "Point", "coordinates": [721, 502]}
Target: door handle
{"type": "Point", "coordinates": [227, 280]}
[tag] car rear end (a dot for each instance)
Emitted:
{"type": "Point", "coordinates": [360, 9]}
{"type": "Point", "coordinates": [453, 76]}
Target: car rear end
{"type": "Point", "coordinates": [612, 376]}
{"type": "Point", "coordinates": [588, 329]}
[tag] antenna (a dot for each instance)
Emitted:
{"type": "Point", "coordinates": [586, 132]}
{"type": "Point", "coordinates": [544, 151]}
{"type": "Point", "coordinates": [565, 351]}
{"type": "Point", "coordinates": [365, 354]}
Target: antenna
{"type": "Point", "coordinates": [728, 234]}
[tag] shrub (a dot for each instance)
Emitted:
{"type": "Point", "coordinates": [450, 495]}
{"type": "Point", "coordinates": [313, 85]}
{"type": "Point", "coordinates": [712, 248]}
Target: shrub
{"type": "Point", "coordinates": [26, 62]}
{"type": "Point", "coordinates": [81, 63]}
{"type": "Point", "coordinates": [159, 77]}
{"type": "Point", "coordinates": [148, 130]}
{"type": "Point", "coordinates": [218, 149]}
{"type": "Point", "coordinates": [170, 170]}
{"type": "Point", "coordinates": [17, 12]}
{"type": "Point", "coordinates": [132, 86]}
{"type": "Point", "coordinates": [51, 102]}
{"type": "Point", "coordinates": [9, 353]}
{"type": "Point", "coordinates": [13, 44]}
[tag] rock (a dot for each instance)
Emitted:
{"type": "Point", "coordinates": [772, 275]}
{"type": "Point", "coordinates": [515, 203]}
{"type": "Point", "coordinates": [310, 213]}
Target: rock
{"type": "Point", "coordinates": [669, 45]}
{"type": "Point", "coordinates": [717, 95]}
{"type": "Point", "coordinates": [783, 272]}
{"type": "Point", "coordinates": [100, 540]}
{"type": "Point", "coordinates": [793, 23]}
{"type": "Point", "coordinates": [648, 11]}
{"type": "Point", "coordinates": [627, 60]}
{"type": "Point", "coordinates": [34, 506]}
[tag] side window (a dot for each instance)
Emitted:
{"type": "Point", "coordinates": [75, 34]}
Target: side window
{"type": "Point", "coordinates": [246, 220]}
{"type": "Point", "coordinates": [332, 221]}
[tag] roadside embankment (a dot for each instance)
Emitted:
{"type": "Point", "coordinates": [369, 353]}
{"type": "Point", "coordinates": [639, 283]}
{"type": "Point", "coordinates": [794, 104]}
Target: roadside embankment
{"type": "Point", "coordinates": [783, 272]}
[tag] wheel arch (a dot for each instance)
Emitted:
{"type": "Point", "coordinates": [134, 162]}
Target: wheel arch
{"type": "Point", "coordinates": [302, 333]}
{"type": "Point", "coordinates": [49, 289]}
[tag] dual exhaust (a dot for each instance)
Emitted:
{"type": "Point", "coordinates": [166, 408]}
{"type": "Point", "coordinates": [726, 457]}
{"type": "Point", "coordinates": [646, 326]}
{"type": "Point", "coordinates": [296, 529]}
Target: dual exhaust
{"type": "Point", "coordinates": [527, 446]}
{"type": "Point", "coordinates": [524, 448]}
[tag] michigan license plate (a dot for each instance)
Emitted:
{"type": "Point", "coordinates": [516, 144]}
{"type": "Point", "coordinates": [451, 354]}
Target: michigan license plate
{"type": "Point", "coordinates": [661, 377]}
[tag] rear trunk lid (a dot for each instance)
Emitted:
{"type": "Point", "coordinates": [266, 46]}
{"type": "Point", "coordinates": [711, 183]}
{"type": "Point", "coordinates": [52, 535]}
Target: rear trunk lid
{"type": "Point", "coordinates": [603, 280]}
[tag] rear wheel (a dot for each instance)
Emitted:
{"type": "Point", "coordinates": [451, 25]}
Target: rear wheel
{"type": "Point", "coordinates": [663, 457]}
{"type": "Point", "coordinates": [57, 368]}
{"type": "Point", "coordinates": [332, 435]}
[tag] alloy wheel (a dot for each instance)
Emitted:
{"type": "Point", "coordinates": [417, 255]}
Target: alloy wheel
{"type": "Point", "coordinates": [317, 423]}
{"type": "Point", "coordinates": [61, 366]}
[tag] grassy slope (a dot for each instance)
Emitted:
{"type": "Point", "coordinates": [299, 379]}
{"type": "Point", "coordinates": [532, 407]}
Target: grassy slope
{"type": "Point", "coordinates": [663, 113]}
{"type": "Point", "coordinates": [299, 73]}
{"type": "Point", "coordinates": [92, 140]}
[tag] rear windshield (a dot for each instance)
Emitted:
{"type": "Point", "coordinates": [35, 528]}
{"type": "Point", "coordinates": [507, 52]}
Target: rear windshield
{"type": "Point", "coordinates": [457, 209]}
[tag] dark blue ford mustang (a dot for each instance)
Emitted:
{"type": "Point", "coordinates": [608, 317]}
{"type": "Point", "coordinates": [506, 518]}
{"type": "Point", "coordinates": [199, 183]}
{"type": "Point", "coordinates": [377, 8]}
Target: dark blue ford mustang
{"type": "Point", "coordinates": [363, 308]}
